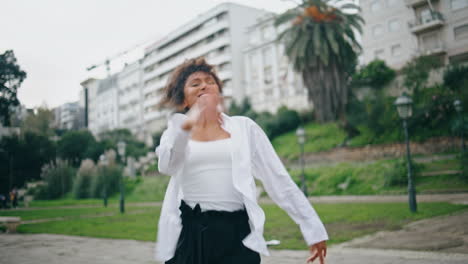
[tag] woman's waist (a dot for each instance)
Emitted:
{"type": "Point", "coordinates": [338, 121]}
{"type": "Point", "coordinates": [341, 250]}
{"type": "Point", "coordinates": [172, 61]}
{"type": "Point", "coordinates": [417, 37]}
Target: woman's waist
{"type": "Point", "coordinates": [210, 170]}
{"type": "Point", "coordinates": [221, 209]}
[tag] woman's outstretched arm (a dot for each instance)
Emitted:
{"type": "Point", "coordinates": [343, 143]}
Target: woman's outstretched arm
{"type": "Point", "coordinates": [268, 168]}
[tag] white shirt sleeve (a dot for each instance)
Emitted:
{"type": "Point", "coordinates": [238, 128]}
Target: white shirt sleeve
{"type": "Point", "coordinates": [171, 150]}
{"type": "Point", "coordinates": [269, 169]}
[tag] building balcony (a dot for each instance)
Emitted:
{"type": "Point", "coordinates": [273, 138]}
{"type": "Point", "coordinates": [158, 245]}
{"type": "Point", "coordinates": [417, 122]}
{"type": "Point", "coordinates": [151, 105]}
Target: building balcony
{"type": "Point", "coordinates": [419, 25]}
{"type": "Point", "coordinates": [151, 101]}
{"type": "Point", "coordinates": [129, 98]}
{"type": "Point", "coordinates": [193, 53]}
{"type": "Point", "coordinates": [152, 115]}
{"type": "Point", "coordinates": [434, 51]}
{"type": "Point", "coordinates": [415, 3]}
{"type": "Point", "coordinates": [155, 86]}
{"type": "Point", "coordinates": [180, 45]}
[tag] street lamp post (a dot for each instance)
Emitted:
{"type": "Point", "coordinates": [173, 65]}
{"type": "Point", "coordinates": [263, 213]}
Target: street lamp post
{"type": "Point", "coordinates": [405, 111]}
{"type": "Point", "coordinates": [300, 133]}
{"type": "Point", "coordinates": [459, 108]}
{"type": "Point", "coordinates": [103, 160]}
{"type": "Point", "coordinates": [121, 149]}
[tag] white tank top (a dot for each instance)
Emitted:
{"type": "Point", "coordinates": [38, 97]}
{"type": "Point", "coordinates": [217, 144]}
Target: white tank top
{"type": "Point", "coordinates": [207, 176]}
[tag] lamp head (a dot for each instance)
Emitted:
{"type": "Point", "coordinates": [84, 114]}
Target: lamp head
{"type": "Point", "coordinates": [458, 106]}
{"type": "Point", "coordinates": [404, 106]}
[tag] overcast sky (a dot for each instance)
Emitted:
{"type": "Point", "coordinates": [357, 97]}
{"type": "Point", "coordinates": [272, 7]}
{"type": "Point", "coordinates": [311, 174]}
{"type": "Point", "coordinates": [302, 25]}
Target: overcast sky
{"type": "Point", "coordinates": [56, 40]}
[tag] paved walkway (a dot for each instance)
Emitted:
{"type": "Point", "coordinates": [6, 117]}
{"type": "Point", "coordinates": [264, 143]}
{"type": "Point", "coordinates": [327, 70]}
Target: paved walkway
{"type": "Point", "coordinates": [59, 249]}
{"type": "Point", "coordinates": [437, 240]}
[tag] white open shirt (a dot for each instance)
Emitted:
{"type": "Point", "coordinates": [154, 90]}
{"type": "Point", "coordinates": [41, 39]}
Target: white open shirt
{"type": "Point", "coordinates": [252, 156]}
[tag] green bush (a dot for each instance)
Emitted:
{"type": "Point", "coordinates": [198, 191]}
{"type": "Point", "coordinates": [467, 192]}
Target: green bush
{"type": "Point", "coordinates": [39, 192]}
{"type": "Point", "coordinates": [377, 120]}
{"type": "Point", "coordinates": [416, 72]}
{"type": "Point", "coordinates": [107, 179]}
{"type": "Point", "coordinates": [282, 121]}
{"type": "Point", "coordinates": [456, 78]}
{"type": "Point", "coordinates": [398, 175]}
{"type": "Point", "coordinates": [376, 74]}
{"type": "Point", "coordinates": [58, 177]}
{"type": "Point", "coordinates": [434, 113]}
{"type": "Point", "coordinates": [286, 120]}
{"type": "Point", "coordinates": [81, 185]}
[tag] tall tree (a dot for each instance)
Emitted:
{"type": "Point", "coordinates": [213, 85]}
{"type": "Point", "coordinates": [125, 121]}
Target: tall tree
{"type": "Point", "coordinates": [40, 122]}
{"type": "Point", "coordinates": [11, 77]}
{"type": "Point", "coordinates": [321, 45]}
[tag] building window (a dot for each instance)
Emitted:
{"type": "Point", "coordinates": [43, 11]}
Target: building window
{"type": "Point", "coordinates": [426, 15]}
{"type": "Point", "coordinates": [376, 5]}
{"type": "Point", "coordinates": [254, 71]}
{"type": "Point", "coordinates": [254, 37]}
{"type": "Point", "coordinates": [430, 42]}
{"type": "Point", "coordinates": [461, 32]}
{"type": "Point", "coordinates": [224, 67]}
{"type": "Point", "coordinates": [267, 57]}
{"type": "Point", "coordinates": [394, 25]}
{"type": "Point", "coordinates": [227, 84]}
{"type": "Point", "coordinates": [379, 54]}
{"type": "Point", "coordinates": [221, 16]}
{"type": "Point", "coordinates": [210, 38]}
{"type": "Point", "coordinates": [210, 22]}
{"type": "Point", "coordinates": [377, 30]}
{"type": "Point", "coordinates": [458, 4]}
{"type": "Point", "coordinates": [396, 50]}
{"type": "Point", "coordinates": [267, 32]}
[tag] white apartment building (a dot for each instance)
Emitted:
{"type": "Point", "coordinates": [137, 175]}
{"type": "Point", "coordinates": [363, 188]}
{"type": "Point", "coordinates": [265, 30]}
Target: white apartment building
{"type": "Point", "coordinates": [69, 116]}
{"type": "Point", "coordinates": [441, 28]}
{"type": "Point", "coordinates": [130, 103]}
{"type": "Point", "coordinates": [217, 34]}
{"type": "Point", "coordinates": [386, 34]}
{"type": "Point", "coordinates": [270, 79]}
{"type": "Point", "coordinates": [398, 30]}
{"type": "Point", "coordinates": [102, 104]}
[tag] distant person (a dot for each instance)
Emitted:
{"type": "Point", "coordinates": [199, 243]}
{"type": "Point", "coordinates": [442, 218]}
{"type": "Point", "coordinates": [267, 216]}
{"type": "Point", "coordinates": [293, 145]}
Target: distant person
{"type": "Point", "coordinates": [3, 201]}
{"type": "Point", "coordinates": [12, 197]}
{"type": "Point", "coordinates": [15, 198]}
{"type": "Point", "coordinates": [210, 212]}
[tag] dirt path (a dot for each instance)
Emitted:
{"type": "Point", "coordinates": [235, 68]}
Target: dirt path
{"type": "Point", "coordinates": [448, 234]}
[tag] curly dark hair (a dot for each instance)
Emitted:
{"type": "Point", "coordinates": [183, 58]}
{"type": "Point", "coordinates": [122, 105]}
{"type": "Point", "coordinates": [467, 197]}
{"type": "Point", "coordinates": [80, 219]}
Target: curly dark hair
{"type": "Point", "coordinates": [173, 96]}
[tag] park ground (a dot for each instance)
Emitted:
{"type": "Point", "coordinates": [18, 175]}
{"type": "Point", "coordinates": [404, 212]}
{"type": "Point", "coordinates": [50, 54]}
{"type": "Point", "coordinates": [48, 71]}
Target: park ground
{"type": "Point", "coordinates": [367, 221]}
{"type": "Point", "coordinates": [438, 239]}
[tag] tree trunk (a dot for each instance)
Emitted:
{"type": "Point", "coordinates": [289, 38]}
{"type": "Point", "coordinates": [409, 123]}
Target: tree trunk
{"type": "Point", "coordinates": [328, 91]}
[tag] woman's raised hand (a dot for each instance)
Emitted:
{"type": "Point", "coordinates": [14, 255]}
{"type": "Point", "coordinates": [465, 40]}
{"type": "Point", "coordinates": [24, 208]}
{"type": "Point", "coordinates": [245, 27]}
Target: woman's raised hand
{"type": "Point", "coordinates": [205, 111]}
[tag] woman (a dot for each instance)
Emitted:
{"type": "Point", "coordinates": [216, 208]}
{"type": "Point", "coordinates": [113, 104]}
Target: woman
{"type": "Point", "coordinates": [210, 212]}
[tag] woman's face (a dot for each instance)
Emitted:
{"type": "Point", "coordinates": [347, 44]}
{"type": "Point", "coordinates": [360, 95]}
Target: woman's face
{"type": "Point", "coordinates": [197, 84]}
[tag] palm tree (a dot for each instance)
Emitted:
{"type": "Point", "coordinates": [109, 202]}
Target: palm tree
{"type": "Point", "coordinates": [321, 45]}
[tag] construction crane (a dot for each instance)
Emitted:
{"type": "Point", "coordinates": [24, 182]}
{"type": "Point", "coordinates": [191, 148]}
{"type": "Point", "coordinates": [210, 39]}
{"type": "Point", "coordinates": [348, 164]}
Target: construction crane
{"type": "Point", "coordinates": [108, 60]}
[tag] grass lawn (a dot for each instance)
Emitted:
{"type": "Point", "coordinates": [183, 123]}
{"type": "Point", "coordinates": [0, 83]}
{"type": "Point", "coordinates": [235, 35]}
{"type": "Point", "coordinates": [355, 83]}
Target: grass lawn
{"type": "Point", "coordinates": [443, 165]}
{"type": "Point", "coordinates": [146, 189]}
{"type": "Point", "coordinates": [319, 138]}
{"type": "Point", "coordinates": [69, 201]}
{"type": "Point", "coordinates": [343, 222]}
{"type": "Point", "coordinates": [69, 213]}
{"type": "Point", "coordinates": [372, 178]}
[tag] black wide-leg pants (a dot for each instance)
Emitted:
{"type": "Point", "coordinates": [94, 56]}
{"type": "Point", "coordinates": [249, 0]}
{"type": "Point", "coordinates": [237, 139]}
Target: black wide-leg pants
{"type": "Point", "coordinates": [213, 237]}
